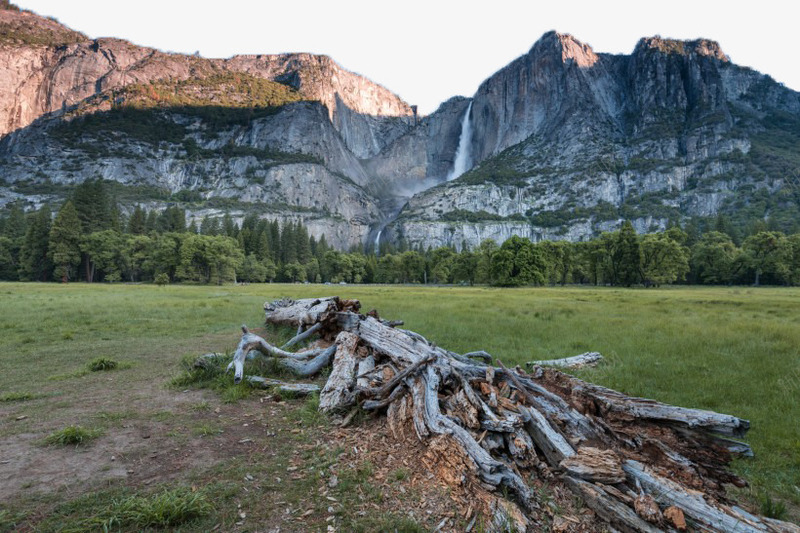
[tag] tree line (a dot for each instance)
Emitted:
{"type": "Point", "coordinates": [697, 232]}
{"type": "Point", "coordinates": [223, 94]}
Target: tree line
{"type": "Point", "coordinates": [89, 240]}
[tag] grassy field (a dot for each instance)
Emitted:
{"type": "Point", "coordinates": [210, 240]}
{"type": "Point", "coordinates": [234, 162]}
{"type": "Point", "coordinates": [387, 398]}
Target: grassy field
{"type": "Point", "coordinates": [733, 350]}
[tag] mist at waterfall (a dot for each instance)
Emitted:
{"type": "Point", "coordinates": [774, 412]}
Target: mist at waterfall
{"type": "Point", "coordinates": [463, 159]}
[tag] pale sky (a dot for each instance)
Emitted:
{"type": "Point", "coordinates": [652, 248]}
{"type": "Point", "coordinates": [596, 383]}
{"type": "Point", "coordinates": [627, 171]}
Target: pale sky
{"type": "Point", "coordinates": [429, 51]}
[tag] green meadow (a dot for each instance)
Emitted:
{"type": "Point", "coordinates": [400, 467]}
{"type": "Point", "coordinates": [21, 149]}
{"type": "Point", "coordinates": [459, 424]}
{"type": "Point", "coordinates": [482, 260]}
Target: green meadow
{"type": "Point", "coordinates": [732, 350]}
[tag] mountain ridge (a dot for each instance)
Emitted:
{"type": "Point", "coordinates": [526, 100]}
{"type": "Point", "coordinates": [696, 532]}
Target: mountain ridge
{"type": "Point", "coordinates": [567, 142]}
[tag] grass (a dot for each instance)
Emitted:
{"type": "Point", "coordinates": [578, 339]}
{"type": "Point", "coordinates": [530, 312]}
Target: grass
{"type": "Point", "coordinates": [168, 508]}
{"type": "Point", "coordinates": [119, 510]}
{"type": "Point", "coordinates": [17, 397]}
{"type": "Point", "coordinates": [732, 350]}
{"type": "Point", "coordinates": [70, 435]}
{"type": "Point", "coordinates": [101, 364]}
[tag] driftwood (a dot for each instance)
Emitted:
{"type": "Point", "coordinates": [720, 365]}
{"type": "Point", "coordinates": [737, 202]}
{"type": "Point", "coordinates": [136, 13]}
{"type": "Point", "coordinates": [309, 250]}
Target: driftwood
{"type": "Point", "coordinates": [301, 389]}
{"type": "Point", "coordinates": [576, 361]}
{"type": "Point", "coordinates": [640, 465]}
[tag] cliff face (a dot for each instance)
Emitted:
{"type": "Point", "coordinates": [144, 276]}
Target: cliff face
{"type": "Point", "coordinates": [40, 76]}
{"type": "Point", "coordinates": [565, 142]}
{"type": "Point", "coordinates": [568, 143]}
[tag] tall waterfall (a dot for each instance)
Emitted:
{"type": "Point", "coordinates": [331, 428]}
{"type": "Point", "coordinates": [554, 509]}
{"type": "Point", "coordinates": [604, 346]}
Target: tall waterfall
{"type": "Point", "coordinates": [378, 242]}
{"type": "Point", "coordinates": [463, 160]}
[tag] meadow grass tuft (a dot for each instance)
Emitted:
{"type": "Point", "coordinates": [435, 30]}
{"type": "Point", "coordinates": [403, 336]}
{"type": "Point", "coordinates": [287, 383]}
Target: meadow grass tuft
{"type": "Point", "coordinates": [772, 508]}
{"type": "Point", "coordinates": [101, 364]}
{"type": "Point", "coordinates": [69, 435]}
{"type": "Point", "coordinates": [18, 397]}
{"type": "Point", "coordinates": [169, 508]}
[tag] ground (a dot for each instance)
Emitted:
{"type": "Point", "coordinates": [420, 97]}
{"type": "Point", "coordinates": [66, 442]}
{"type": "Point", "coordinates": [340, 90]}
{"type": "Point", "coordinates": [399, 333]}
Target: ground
{"type": "Point", "coordinates": [274, 464]}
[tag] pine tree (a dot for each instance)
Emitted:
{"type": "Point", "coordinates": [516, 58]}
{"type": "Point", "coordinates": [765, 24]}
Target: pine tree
{"type": "Point", "coordinates": [64, 244]}
{"type": "Point", "coordinates": [151, 222]}
{"type": "Point", "coordinates": [275, 241]}
{"type": "Point", "coordinates": [302, 243]}
{"type": "Point", "coordinates": [93, 206]}
{"type": "Point", "coordinates": [288, 243]}
{"type": "Point", "coordinates": [14, 230]}
{"type": "Point", "coordinates": [34, 264]}
{"type": "Point", "coordinates": [137, 224]}
{"type": "Point", "coordinates": [627, 255]}
{"type": "Point", "coordinates": [229, 226]}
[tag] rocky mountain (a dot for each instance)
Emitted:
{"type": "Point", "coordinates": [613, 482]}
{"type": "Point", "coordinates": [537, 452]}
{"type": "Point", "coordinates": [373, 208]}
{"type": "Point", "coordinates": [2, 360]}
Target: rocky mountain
{"type": "Point", "coordinates": [562, 143]}
{"type": "Point", "coordinates": [568, 142]}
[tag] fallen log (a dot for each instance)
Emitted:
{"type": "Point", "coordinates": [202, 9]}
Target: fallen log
{"type": "Point", "coordinates": [576, 361]}
{"type": "Point", "coordinates": [640, 465]}
{"type": "Point", "coordinates": [301, 389]}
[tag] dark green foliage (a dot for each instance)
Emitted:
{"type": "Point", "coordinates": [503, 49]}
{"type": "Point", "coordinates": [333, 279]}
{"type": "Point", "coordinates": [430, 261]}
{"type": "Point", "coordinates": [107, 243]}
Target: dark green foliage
{"type": "Point", "coordinates": [101, 364]}
{"type": "Point", "coordinates": [93, 129]}
{"type": "Point", "coordinates": [500, 170]}
{"type": "Point", "coordinates": [601, 212]}
{"type": "Point", "coordinates": [772, 508]}
{"type": "Point", "coordinates": [462, 215]}
{"type": "Point", "coordinates": [64, 244]}
{"type": "Point", "coordinates": [518, 262]}
{"type": "Point", "coordinates": [626, 256]}
{"type": "Point", "coordinates": [93, 204]}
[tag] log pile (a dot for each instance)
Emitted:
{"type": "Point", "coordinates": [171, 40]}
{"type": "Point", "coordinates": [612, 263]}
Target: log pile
{"type": "Point", "coordinates": [640, 465]}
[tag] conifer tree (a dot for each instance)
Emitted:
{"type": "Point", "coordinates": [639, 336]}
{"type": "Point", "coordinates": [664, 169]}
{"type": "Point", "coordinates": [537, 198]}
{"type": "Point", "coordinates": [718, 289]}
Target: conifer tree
{"type": "Point", "coordinates": [34, 264]}
{"type": "Point", "coordinates": [64, 244]}
{"type": "Point", "coordinates": [137, 224]}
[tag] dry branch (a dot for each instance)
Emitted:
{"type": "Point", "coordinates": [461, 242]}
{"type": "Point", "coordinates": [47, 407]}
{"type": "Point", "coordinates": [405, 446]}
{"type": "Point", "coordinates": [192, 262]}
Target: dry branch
{"type": "Point", "coordinates": [640, 465]}
{"type": "Point", "coordinates": [576, 361]}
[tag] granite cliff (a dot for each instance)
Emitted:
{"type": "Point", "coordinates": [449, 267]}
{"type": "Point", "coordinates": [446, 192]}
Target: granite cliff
{"type": "Point", "coordinates": [565, 142]}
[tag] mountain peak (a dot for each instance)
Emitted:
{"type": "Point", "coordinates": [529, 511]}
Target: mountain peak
{"type": "Point", "coordinates": [700, 47]}
{"type": "Point", "coordinates": [567, 46]}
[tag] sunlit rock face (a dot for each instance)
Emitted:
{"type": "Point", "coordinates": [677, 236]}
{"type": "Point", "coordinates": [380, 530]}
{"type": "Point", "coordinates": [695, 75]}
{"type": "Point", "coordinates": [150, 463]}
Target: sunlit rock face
{"type": "Point", "coordinates": [563, 143]}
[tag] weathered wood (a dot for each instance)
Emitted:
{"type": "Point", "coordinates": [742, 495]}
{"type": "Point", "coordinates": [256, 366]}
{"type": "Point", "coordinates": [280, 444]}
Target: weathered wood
{"type": "Point", "coordinates": [594, 464]}
{"type": "Point", "coordinates": [698, 509]}
{"type": "Point", "coordinates": [552, 444]}
{"type": "Point", "coordinates": [490, 425]}
{"type": "Point", "coordinates": [365, 367]}
{"type": "Point", "coordinates": [301, 389]}
{"type": "Point", "coordinates": [301, 336]}
{"type": "Point", "coordinates": [609, 508]}
{"type": "Point", "coordinates": [296, 313]}
{"type": "Point", "coordinates": [576, 361]}
{"type": "Point", "coordinates": [252, 342]}
{"type": "Point", "coordinates": [608, 400]}
{"type": "Point", "coordinates": [311, 367]}
{"type": "Point", "coordinates": [338, 391]}
{"type": "Point", "coordinates": [480, 354]}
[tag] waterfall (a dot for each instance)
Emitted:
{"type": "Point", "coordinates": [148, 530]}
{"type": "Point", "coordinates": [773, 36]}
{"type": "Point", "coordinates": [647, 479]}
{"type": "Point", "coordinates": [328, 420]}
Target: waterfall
{"type": "Point", "coordinates": [378, 241]}
{"type": "Point", "coordinates": [462, 161]}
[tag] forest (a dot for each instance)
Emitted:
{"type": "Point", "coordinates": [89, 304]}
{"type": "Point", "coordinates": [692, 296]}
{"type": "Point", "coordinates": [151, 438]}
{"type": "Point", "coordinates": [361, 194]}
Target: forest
{"type": "Point", "coordinates": [89, 239]}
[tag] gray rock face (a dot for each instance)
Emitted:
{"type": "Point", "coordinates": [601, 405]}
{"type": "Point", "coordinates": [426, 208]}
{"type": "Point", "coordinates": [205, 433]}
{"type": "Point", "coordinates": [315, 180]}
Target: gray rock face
{"type": "Point", "coordinates": [565, 143]}
{"type": "Point", "coordinates": [319, 191]}
{"type": "Point", "coordinates": [569, 142]}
